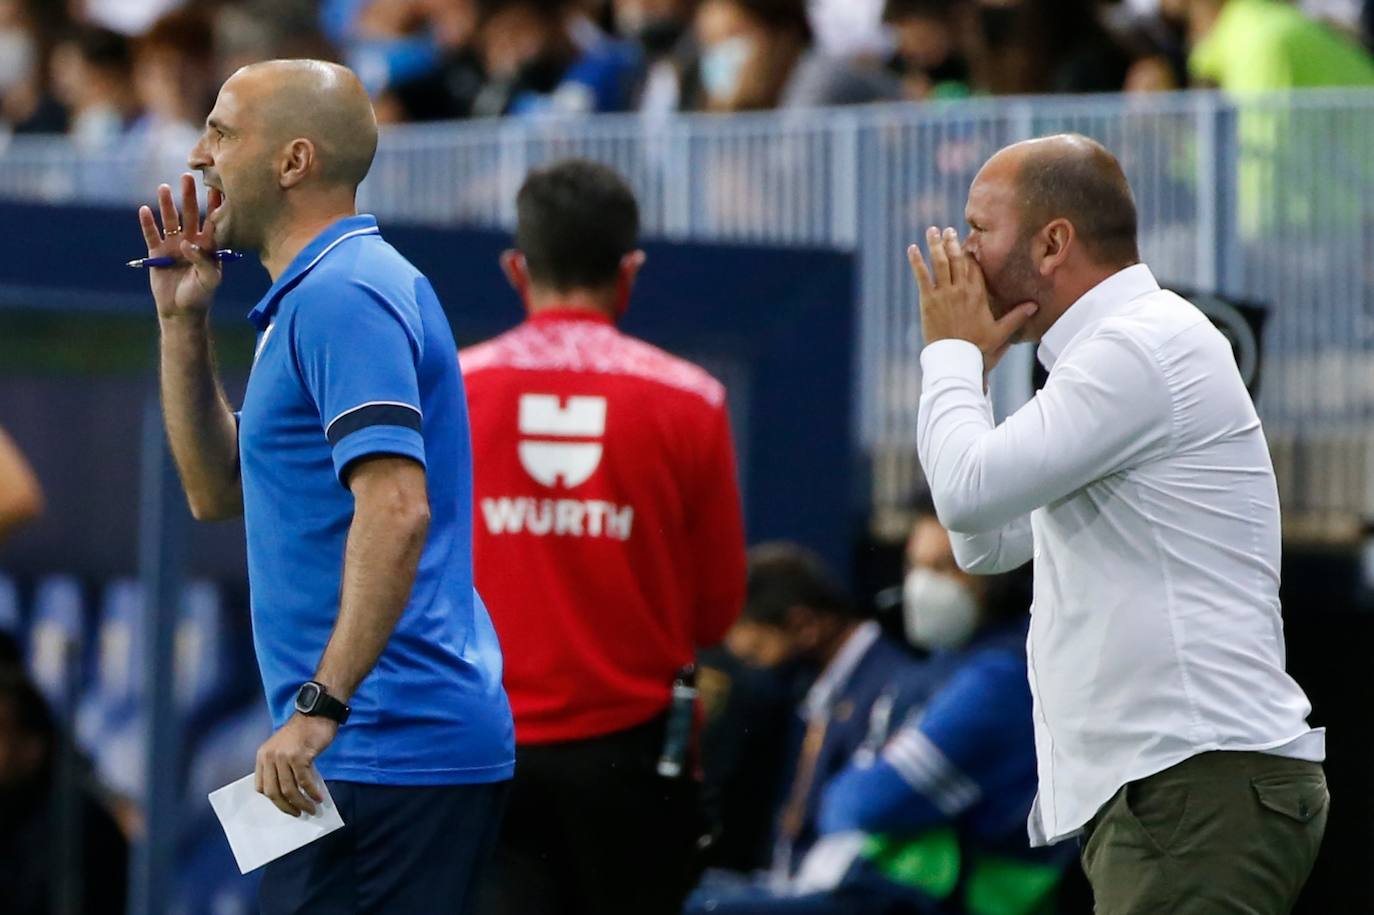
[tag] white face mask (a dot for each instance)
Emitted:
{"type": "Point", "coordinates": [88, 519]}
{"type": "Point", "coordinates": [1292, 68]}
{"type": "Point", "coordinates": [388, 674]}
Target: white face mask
{"type": "Point", "coordinates": [722, 64]}
{"type": "Point", "coordinates": [939, 612]}
{"type": "Point", "coordinates": [16, 57]}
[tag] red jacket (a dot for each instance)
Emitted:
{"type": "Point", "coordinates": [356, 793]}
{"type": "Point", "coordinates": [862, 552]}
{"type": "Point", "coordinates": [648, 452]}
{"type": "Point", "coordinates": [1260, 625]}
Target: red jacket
{"type": "Point", "coordinates": [607, 538]}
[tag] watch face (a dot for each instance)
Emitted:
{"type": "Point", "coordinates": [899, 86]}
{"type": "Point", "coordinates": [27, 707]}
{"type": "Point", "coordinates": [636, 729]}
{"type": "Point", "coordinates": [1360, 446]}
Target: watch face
{"type": "Point", "coordinates": [307, 697]}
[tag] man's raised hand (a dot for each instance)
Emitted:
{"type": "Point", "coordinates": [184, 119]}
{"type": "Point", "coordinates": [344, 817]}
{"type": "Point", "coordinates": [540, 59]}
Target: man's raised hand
{"type": "Point", "coordinates": [187, 288]}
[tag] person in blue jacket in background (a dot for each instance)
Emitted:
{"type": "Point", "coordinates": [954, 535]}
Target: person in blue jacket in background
{"type": "Point", "coordinates": [935, 821]}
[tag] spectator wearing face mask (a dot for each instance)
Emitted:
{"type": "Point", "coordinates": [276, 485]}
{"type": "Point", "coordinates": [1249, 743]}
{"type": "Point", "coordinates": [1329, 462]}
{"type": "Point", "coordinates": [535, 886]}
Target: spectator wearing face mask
{"type": "Point", "coordinates": [953, 787]}
{"type": "Point", "coordinates": [758, 55]}
{"type": "Point", "coordinates": [866, 684]}
{"type": "Point", "coordinates": [534, 65]}
{"type": "Point", "coordinates": [934, 820]}
{"type": "Point", "coordinates": [27, 32]}
{"type": "Point", "coordinates": [663, 30]}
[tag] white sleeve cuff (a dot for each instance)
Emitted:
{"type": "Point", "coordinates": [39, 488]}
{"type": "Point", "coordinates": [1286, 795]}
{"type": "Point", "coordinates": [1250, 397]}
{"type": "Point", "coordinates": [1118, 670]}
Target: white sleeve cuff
{"type": "Point", "coordinates": [958, 358]}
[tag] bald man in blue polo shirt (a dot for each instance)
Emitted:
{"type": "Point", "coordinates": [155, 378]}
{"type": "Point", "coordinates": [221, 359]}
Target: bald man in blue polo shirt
{"type": "Point", "coordinates": [350, 463]}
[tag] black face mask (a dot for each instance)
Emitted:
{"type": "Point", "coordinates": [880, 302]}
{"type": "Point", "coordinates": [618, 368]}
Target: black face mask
{"type": "Point", "coordinates": [540, 74]}
{"type": "Point", "coordinates": [998, 23]}
{"type": "Point", "coordinates": [660, 35]}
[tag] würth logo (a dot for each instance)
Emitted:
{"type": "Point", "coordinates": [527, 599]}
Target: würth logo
{"type": "Point", "coordinates": [544, 417]}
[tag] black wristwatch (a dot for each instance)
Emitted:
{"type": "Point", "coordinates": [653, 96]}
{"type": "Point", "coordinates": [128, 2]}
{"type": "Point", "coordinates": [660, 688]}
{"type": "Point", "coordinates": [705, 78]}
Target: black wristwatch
{"type": "Point", "coordinates": [311, 699]}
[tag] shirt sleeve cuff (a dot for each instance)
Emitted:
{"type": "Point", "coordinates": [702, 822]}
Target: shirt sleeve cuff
{"type": "Point", "coordinates": [958, 358]}
{"type": "Point", "coordinates": [377, 440]}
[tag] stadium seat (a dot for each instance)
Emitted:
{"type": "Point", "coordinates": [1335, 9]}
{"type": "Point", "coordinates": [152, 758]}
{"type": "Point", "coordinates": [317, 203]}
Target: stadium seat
{"type": "Point", "coordinates": [210, 881]}
{"type": "Point", "coordinates": [57, 641]}
{"type": "Point", "coordinates": [110, 722]}
{"type": "Point", "coordinates": [11, 617]}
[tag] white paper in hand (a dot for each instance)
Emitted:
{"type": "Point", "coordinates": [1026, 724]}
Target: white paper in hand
{"type": "Point", "coordinates": [258, 832]}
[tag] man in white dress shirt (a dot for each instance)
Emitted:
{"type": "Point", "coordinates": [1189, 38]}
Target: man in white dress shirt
{"type": "Point", "coordinates": [1168, 735]}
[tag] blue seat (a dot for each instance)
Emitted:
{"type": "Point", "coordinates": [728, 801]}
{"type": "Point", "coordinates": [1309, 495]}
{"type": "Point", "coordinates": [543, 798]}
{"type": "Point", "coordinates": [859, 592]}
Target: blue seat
{"type": "Point", "coordinates": [210, 881]}
{"type": "Point", "coordinates": [11, 614]}
{"type": "Point", "coordinates": [209, 673]}
{"type": "Point", "coordinates": [57, 642]}
{"type": "Point", "coordinates": [111, 720]}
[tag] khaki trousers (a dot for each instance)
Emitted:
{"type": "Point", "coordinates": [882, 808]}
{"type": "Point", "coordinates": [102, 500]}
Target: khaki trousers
{"type": "Point", "coordinates": [1222, 832]}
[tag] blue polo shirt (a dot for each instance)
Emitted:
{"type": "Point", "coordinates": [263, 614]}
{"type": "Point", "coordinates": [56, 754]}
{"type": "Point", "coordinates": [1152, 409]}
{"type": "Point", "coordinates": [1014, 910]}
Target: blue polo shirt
{"type": "Point", "coordinates": [354, 358]}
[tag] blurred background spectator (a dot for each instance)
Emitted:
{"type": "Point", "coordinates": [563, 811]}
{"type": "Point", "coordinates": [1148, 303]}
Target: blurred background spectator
{"type": "Point", "coordinates": [864, 686]}
{"type": "Point", "coordinates": [1253, 45]}
{"type": "Point", "coordinates": [143, 70]}
{"type": "Point", "coordinates": [928, 57]}
{"type": "Point", "coordinates": [92, 77]}
{"type": "Point", "coordinates": [759, 54]}
{"type": "Point", "coordinates": [34, 758]}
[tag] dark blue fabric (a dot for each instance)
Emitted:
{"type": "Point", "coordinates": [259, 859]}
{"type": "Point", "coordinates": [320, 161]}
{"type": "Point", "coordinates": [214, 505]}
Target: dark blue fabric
{"type": "Point", "coordinates": [887, 672]}
{"type": "Point", "coordinates": [402, 851]}
{"type": "Point", "coordinates": [980, 720]}
{"type": "Point", "coordinates": [352, 338]}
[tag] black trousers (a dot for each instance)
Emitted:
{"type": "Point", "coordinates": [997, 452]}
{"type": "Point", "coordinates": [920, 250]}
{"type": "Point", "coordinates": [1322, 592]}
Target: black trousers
{"type": "Point", "coordinates": [401, 851]}
{"type": "Point", "coordinates": [592, 829]}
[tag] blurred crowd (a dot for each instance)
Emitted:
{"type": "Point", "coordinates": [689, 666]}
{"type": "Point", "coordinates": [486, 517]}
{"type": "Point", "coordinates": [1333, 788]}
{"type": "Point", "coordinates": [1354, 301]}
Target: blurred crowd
{"type": "Point", "coordinates": [145, 71]}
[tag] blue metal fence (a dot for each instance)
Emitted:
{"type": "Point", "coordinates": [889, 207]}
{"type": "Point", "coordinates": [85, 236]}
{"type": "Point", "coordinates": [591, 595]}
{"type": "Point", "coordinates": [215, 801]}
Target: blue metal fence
{"type": "Point", "coordinates": [1270, 198]}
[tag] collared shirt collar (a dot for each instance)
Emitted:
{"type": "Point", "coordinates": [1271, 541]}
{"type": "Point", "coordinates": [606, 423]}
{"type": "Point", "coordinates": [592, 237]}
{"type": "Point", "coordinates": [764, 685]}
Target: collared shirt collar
{"type": "Point", "coordinates": [311, 254]}
{"type": "Point", "coordinates": [1097, 303]}
{"type": "Point", "coordinates": [557, 313]}
{"type": "Point", "coordinates": [841, 667]}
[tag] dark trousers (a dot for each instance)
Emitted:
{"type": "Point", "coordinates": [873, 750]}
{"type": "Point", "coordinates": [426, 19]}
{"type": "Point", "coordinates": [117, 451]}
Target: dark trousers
{"type": "Point", "coordinates": [1223, 832]}
{"type": "Point", "coordinates": [401, 851]}
{"type": "Point", "coordinates": [592, 829]}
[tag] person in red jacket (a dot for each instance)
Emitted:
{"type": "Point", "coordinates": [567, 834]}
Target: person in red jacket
{"type": "Point", "coordinates": [609, 547]}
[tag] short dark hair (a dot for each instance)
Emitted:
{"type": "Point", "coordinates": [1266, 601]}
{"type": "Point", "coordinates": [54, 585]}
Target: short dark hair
{"type": "Point", "coordinates": [547, 9]}
{"type": "Point", "coordinates": [103, 48]}
{"type": "Point", "coordinates": [1089, 189]}
{"type": "Point", "coordinates": [575, 221]}
{"type": "Point", "coordinates": [784, 575]}
{"type": "Point", "coordinates": [897, 10]}
{"type": "Point", "coordinates": [780, 15]}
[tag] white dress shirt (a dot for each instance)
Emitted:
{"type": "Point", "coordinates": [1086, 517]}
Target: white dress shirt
{"type": "Point", "coordinates": [1140, 482]}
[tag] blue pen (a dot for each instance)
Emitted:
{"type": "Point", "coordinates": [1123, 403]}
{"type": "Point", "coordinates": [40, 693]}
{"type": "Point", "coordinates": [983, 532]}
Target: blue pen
{"type": "Point", "coordinates": [223, 256]}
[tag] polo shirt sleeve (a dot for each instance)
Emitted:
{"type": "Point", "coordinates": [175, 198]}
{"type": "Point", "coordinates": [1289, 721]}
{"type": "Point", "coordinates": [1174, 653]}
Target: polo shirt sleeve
{"type": "Point", "coordinates": [358, 355]}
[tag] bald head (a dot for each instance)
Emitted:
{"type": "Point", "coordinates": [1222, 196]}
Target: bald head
{"type": "Point", "coordinates": [1072, 177]}
{"type": "Point", "coordinates": [318, 101]}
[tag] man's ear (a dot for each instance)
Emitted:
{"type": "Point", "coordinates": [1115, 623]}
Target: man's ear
{"type": "Point", "coordinates": [299, 159]}
{"type": "Point", "coordinates": [630, 265]}
{"type": "Point", "coordinates": [1056, 239]}
{"type": "Point", "coordinates": [516, 270]}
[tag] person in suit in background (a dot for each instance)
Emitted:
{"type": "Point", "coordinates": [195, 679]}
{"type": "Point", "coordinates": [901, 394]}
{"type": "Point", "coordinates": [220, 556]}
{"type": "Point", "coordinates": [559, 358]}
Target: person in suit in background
{"type": "Point", "coordinates": [21, 498]}
{"type": "Point", "coordinates": [867, 685]}
{"type": "Point", "coordinates": [953, 787]}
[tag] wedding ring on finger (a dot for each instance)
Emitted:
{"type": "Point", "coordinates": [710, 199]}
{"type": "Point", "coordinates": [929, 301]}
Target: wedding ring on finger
{"type": "Point", "coordinates": [170, 232]}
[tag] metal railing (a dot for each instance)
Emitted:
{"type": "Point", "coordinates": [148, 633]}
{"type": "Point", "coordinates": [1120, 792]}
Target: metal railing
{"type": "Point", "coordinates": [1269, 198]}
